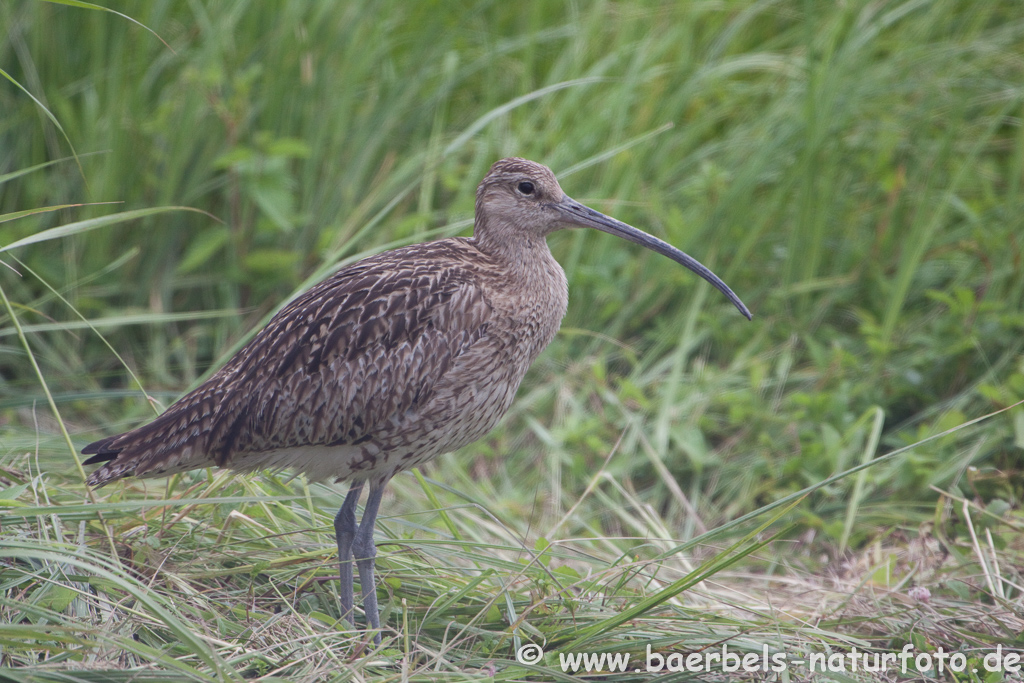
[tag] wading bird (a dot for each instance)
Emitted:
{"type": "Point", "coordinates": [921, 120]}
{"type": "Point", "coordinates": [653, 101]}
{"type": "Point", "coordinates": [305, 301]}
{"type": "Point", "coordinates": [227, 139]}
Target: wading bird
{"type": "Point", "coordinates": [386, 364]}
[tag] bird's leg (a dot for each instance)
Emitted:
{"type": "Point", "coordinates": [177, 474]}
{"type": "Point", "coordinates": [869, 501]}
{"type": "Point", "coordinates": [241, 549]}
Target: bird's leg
{"type": "Point", "coordinates": [364, 550]}
{"type": "Point", "coordinates": [345, 531]}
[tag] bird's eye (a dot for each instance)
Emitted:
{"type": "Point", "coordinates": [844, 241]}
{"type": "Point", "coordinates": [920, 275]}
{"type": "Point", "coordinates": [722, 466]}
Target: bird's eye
{"type": "Point", "coordinates": [526, 187]}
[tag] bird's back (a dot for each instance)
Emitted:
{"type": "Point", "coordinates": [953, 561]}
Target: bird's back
{"type": "Point", "coordinates": [390, 361]}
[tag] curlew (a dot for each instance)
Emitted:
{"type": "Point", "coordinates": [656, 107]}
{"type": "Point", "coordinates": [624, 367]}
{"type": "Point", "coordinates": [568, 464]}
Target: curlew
{"type": "Point", "coordinates": [386, 364]}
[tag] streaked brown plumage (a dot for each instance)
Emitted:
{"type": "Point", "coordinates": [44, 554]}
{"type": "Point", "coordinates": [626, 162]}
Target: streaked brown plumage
{"type": "Point", "coordinates": [386, 364]}
{"type": "Point", "coordinates": [345, 380]}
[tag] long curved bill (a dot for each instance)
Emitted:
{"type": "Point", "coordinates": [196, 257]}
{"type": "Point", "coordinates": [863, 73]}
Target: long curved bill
{"type": "Point", "coordinates": [575, 213]}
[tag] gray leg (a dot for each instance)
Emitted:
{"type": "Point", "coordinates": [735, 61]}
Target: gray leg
{"type": "Point", "coordinates": [364, 551]}
{"type": "Point", "coordinates": [345, 531]}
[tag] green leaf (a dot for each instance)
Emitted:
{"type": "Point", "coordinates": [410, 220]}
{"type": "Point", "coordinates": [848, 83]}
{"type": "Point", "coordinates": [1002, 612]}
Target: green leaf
{"type": "Point", "coordinates": [567, 571]}
{"type": "Point", "coordinates": [12, 492]}
{"type": "Point", "coordinates": [270, 261]}
{"type": "Point", "coordinates": [56, 597]}
{"type": "Point", "coordinates": [203, 248]}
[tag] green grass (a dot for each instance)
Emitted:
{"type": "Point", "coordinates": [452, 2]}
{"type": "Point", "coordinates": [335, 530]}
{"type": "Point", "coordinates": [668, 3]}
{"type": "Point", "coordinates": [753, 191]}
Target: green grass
{"type": "Point", "coordinates": [853, 170]}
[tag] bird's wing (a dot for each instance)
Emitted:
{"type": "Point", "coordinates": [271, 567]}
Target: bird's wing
{"type": "Point", "coordinates": [333, 367]}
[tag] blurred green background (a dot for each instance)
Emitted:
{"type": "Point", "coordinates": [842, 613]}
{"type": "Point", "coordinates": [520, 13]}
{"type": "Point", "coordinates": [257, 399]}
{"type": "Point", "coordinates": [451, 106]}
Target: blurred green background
{"type": "Point", "coordinates": [853, 170]}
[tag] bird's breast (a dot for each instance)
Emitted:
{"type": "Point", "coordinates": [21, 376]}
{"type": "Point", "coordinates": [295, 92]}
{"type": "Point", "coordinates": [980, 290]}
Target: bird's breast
{"type": "Point", "coordinates": [527, 307]}
{"type": "Point", "coordinates": [530, 304]}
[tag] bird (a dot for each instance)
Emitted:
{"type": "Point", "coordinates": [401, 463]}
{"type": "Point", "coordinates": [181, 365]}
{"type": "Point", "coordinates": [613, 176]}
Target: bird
{"type": "Point", "coordinates": [386, 364]}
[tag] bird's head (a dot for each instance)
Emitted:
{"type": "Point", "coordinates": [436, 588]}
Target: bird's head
{"type": "Point", "coordinates": [520, 199]}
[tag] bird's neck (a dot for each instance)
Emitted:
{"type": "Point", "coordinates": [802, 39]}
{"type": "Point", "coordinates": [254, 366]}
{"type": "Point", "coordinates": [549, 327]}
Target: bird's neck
{"type": "Point", "coordinates": [530, 289]}
{"type": "Point", "coordinates": [523, 257]}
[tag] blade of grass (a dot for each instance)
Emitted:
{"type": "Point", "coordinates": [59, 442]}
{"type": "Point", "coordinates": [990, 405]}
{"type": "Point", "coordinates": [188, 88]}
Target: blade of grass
{"type": "Point", "coordinates": [718, 531]}
{"type": "Point", "coordinates": [49, 115]}
{"type": "Point", "coordinates": [858, 488]}
{"type": "Point", "coordinates": [719, 562]}
{"type": "Point", "coordinates": [154, 604]}
{"type": "Point", "coordinates": [80, 227]}
{"type": "Point", "coordinates": [432, 497]}
{"type": "Point", "coordinates": [5, 177]}
{"type": "Point", "coordinates": [5, 217]}
{"type": "Point", "coordinates": [88, 5]}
